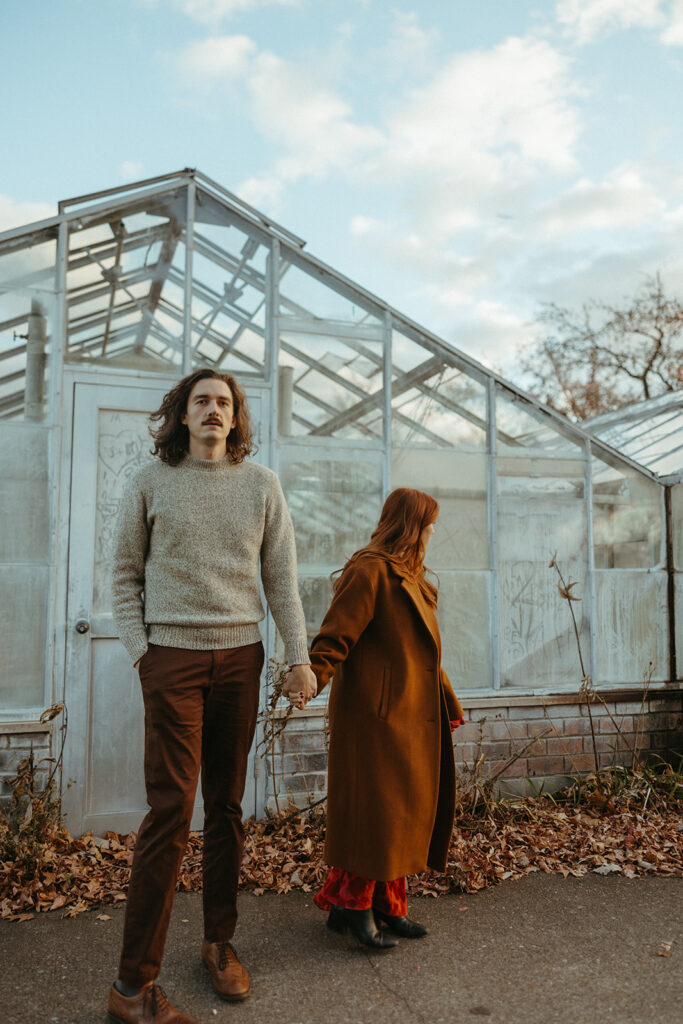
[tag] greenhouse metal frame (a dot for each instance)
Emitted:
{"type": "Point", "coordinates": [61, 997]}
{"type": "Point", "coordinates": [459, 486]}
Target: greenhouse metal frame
{"type": "Point", "coordinates": [150, 280]}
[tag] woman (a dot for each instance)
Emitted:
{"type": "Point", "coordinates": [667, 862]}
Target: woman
{"type": "Point", "coordinates": [391, 771]}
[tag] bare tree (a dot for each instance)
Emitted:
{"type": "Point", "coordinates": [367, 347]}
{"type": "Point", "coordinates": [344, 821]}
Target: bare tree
{"type": "Point", "coordinates": [604, 356]}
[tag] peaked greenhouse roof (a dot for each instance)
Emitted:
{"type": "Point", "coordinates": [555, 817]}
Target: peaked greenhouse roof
{"type": "Point", "coordinates": [650, 432]}
{"type": "Point", "coordinates": [153, 263]}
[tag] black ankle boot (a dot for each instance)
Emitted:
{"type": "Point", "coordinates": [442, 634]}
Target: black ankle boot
{"type": "Point", "coordinates": [362, 925]}
{"type": "Point", "coordinates": [402, 926]}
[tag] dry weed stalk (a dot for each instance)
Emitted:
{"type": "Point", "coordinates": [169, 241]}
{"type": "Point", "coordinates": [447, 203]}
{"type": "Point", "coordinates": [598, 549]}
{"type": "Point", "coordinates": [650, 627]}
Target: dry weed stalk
{"type": "Point", "coordinates": [33, 815]}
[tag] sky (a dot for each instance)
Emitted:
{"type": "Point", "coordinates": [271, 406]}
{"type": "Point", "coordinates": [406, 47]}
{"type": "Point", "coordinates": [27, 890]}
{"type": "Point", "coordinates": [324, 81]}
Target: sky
{"type": "Point", "coordinates": [466, 162]}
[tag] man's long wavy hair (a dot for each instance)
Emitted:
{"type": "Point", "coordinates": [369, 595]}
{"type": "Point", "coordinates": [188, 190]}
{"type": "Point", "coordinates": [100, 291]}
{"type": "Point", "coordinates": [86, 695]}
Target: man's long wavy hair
{"type": "Point", "coordinates": [172, 438]}
{"type": "Point", "coordinates": [398, 536]}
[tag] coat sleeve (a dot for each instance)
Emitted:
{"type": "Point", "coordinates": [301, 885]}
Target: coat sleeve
{"type": "Point", "coordinates": [455, 711]}
{"type": "Point", "coordinates": [352, 608]}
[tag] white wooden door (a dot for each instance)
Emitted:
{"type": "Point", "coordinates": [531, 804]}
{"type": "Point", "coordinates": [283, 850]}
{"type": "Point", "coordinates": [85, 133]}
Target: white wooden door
{"type": "Point", "coordinates": [103, 757]}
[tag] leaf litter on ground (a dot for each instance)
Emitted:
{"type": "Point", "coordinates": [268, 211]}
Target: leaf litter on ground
{"type": "Point", "coordinates": [285, 853]}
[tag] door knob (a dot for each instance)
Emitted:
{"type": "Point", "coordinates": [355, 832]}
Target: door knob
{"type": "Point", "coordinates": [82, 625]}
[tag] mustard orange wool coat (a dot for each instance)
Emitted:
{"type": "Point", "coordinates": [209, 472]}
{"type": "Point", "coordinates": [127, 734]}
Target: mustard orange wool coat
{"type": "Point", "coordinates": [391, 771]}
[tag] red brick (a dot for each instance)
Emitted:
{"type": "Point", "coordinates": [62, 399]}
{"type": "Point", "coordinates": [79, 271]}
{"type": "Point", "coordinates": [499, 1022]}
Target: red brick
{"type": "Point", "coordinates": [621, 723]}
{"type": "Point", "coordinates": [601, 743]}
{"type": "Point", "coordinates": [468, 733]}
{"type": "Point", "coordinates": [495, 750]}
{"type": "Point", "coordinates": [525, 714]}
{"type": "Point", "coordinates": [580, 763]}
{"type": "Point", "coordinates": [518, 769]}
{"type": "Point", "coordinates": [577, 727]}
{"type": "Point", "coordinates": [300, 741]}
{"type": "Point", "coordinates": [507, 731]}
{"type": "Point", "coordinates": [540, 728]}
{"type": "Point", "coordinates": [546, 765]}
{"type": "Point", "coordinates": [564, 745]}
{"type": "Point", "coordinates": [466, 751]}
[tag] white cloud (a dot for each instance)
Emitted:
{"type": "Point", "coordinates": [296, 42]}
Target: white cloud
{"type": "Point", "coordinates": [207, 61]}
{"type": "Point", "coordinates": [213, 12]}
{"type": "Point", "coordinates": [15, 214]}
{"type": "Point", "coordinates": [512, 99]}
{"type": "Point", "coordinates": [673, 33]}
{"type": "Point", "coordinates": [312, 126]}
{"type": "Point", "coordinates": [622, 200]}
{"type": "Point", "coordinates": [264, 192]}
{"type": "Point", "coordinates": [587, 19]}
{"type": "Point", "coordinates": [131, 170]}
{"type": "Point", "coordinates": [409, 48]}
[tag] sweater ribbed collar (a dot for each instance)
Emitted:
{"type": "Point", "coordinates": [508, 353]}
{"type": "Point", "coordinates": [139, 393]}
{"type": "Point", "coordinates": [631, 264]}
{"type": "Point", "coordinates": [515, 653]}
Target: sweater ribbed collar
{"type": "Point", "coordinates": [207, 465]}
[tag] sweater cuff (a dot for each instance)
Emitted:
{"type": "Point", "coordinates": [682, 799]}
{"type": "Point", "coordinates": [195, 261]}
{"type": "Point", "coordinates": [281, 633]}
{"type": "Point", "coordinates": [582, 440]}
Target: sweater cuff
{"type": "Point", "coordinates": [296, 653]}
{"type": "Point", "coordinates": [136, 646]}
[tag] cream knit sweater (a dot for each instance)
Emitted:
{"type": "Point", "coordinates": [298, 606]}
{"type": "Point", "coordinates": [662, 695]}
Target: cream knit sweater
{"type": "Point", "coordinates": [189, 542]}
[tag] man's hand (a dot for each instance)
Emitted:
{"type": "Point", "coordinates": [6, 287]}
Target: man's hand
{"type": "Point", "coordinates": [300, 685]}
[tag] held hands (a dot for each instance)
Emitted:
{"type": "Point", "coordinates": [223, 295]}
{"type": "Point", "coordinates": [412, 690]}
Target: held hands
{"type": "Point", "coordinates": [300, 685]}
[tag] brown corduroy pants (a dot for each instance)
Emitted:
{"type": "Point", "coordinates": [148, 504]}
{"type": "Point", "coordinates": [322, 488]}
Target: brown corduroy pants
{"type": "Point", "coordinates": [200, 711]}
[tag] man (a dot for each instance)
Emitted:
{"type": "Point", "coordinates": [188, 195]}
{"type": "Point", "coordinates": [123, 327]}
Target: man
{"type": "Point", "coordinates": [195, 525]}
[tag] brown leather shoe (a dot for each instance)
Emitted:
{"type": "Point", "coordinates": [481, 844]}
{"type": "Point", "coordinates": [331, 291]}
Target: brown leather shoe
{"type": "Point", "coordinates": [229, 978]}
{"type": "Point", "coordinates": [149, 1006]}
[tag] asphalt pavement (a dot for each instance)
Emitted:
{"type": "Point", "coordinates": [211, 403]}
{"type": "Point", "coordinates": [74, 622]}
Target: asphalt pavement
{"type": "Point", "coordinates": [542, 950]}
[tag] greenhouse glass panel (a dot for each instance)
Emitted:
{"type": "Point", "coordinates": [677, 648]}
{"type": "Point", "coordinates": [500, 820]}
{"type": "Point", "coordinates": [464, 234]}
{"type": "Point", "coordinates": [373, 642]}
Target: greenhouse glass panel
{"type": "Point", "coordinates": [125, 283]}
{"type": "Point", "coordinates": [24, 561]}
{"type": "Point", "coordinates": [458, 481]}
{"type": "Point", "coordinates": [464, 621]}
{"type": "Point", "coordinates": [27, 336]}
{"type": "Point", "coordinates": [331, 361]}
{"type": "Point", "coordinates": [27, 327]}
{"type": "Point", "coordinates": [316, 597]}
{"type": "Point", "coordinates": [228, 291]}
{"type": "Point", "coordinates": [520, 427]}
{"type": "Point", "coordinates": [677, 521]}
{"type": "Point", "coordinates": [334, 503]}
{"type": "Point", "coordinates": [433, 401]}
{"type": "Point", "coordinates": [678, 613]}
{"type": "Point", "coordinates": [628, 518]}
{"type": "Point", "coordinates": [541, 510]}
{"type": "Point", "coordinates": [631, 626]}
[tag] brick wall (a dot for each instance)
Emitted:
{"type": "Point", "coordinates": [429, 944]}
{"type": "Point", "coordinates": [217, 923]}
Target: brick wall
{"type": "Point", "coordinates": [555, 729]}
{"type": "Point", "coordinates": [17, 739]}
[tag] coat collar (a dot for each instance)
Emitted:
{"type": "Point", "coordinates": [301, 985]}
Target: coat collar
{"type": "Point", "coordinates": [425, 611]}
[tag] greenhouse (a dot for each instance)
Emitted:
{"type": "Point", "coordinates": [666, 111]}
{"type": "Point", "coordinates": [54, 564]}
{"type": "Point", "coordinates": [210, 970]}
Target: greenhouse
{"type": "Point", "coordinates": [104, 306]}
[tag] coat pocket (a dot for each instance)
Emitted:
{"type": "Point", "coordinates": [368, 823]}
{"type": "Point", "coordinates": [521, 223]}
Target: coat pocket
{"type": "Point", "coordinates": [385, 693]}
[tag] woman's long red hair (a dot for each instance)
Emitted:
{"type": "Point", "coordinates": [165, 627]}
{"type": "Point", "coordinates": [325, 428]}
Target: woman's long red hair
{"type": "Point", "coordinates": [398, 535]}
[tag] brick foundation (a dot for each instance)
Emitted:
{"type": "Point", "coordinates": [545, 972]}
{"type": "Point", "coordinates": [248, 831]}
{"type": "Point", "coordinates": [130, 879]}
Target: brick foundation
{"type": "Point", "coordinates": [17, 739]}
{"type": "Point", "coordinates": [556, 730]}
